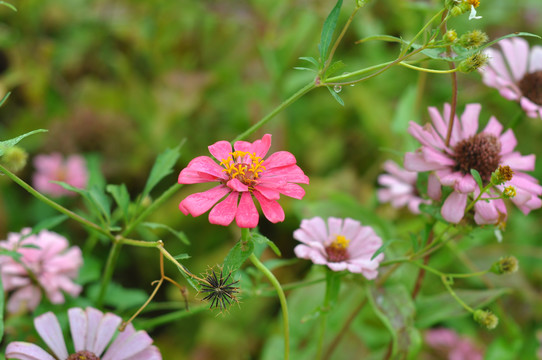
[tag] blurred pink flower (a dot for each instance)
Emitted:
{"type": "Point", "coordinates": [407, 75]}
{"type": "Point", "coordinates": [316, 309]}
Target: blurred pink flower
{"type": "Point", "coordinates": [452, 346]}
{"type": "Point", "coordinates": [517, 73]}
{"type": "Point", "coordinates": [242, 173]}
{"type": "Point", "coordinates": [483, 151]}
{"type": "Point", "coordinates": [399, 188]}
{"type": "Point", "coordinates": [341, 245]}
{"type": "Point", "coordinates": [53, 167]}
{"type": "Point", "coordinates": [52, 264]}
{"type": "Point", "coordinates": [91, 332]}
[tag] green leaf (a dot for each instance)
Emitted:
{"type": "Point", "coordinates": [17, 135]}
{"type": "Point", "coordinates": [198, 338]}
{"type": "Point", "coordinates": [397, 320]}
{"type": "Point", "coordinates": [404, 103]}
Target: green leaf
{"type": "Point", "coordinates": [182, 257]}
{"type": "Point", "coordinates": [382, 248]}
{"type": "Point", "coordinates": [119, 297]}
{"type": "Point", "coordinates": [387, 38]}
{"type": "Point", "coordinates": [335, 96]}
{"type": "Point", "coordinates": [238, 255]}
{"type": "Point", "coordinates": [437, 308]}
{"type": "Point", "coordinates": [304, 69]}
{"type": "Point", "coordinates": [12, 254]}
{"type": "Point", "coordinates": [45, 224]}
{"type": "Point", "coordinates": [405, 111]}
{"type": "Point", "coordinates": [433, 211]}
{"type": "Point", "coordinates": [178, 234]}
{"type": "Point", "coordinates": [162, 167]}
{"type": "Point", "coordinates": [121, 196]}
{"type": "Point", "coordinates": [101, 200]}
{"type": "Point", "coordinates": [335, 67]}
{"type": "Point", "coordinates": [310, 59]}
{"type": "Point", "coordinates": [4, 145]}
{"type": "Point", "coordinates": [189, 280]}
{"type": "Point", "coordinates": [14, 9]}
{"type": "Point", "coordinates": [476, 175]}
{"type": "Point", "coordinates": [260, 239]}
{"type": "Point", "coordinates": [329, 28]}
{"type": "Point", "coordinates": [9, 93]}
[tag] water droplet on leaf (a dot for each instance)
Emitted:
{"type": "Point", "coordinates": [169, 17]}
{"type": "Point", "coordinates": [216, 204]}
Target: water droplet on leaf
{"type": "Point", "coordinates": [337, 88]}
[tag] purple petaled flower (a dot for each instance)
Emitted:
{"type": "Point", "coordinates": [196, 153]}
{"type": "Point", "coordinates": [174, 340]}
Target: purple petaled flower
{"type": "Point", "coordinates": [54, 167]}
{"type": "Point", "coordinates": [451, 346]}
{"type": "Point", "coordinates": [400, 188]}
{"type": "Point", "coordinates": [91, 332]}
{"type": "Point", "coordinates": [517, 73]}
{"type": "Point", "coordinates": [468, 149]}
{"type": "Point", "coordinates": [242, 173]}
{"type": "Point", "coordinates": [341, 245]}
{"type": "Point", "coordinates": [51, 262]}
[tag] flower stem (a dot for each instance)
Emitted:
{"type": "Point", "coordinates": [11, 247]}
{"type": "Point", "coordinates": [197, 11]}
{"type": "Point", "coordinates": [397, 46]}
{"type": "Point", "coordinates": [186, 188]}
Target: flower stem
{"type": "Point", "coordinates": [284, 306]}
{"type": "Point", "coordinates": [433, 71]}
{"type": "Point", "coordinates": [53, 204]}
{"type": "Point", "coordinates": [108, 272]}
{"type": "Point", "coordinates": [454, 295]}
{"type": "Point", "coordinates": [275, 111]}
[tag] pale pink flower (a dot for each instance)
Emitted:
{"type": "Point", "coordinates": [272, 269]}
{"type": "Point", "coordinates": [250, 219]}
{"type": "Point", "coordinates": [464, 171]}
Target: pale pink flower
{"type": "Point", "coordinates": [54, 167]}
{"type": "Point", "coordinates": [242, 174]}
{"type": "Point", "coordinates": [399, 188]}
{"type": "Point", "coordinates": [342, 244]}
{"type": "Point", "coordinates": [91, 332]}
{"type": "Point", "coordinates": [52, 263]}
{"type": "Point", "coordinates": [516, 72]}
{"type": "Point", "coordinates": [452, 346]}
{"type": "Point", "coordinates": [483, 151]}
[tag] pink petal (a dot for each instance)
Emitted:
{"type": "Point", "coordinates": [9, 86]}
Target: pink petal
{"type": "Point", "coordinates": [224, 212]}
{"type": "Point", "coordinates": [247, 215]}
{"type": "Point", "coordinates": [26, 351]}
{"type": "Point", "coordinates": [150, 353]}
{"type": "Point", "coordinates": [454, 206]}
{"type": "Point", "coordinates": [433, 187]}
{"type": "Point", "coordinates": [269, 193]}
{"type": "Point", "coordinates": [279, 159]}
{"type": "Point", "coordinates": [496, 62]}
{"type": "Point", "coordinates": [26, 298]}
{"type": "Point", "coordinates": [106, 330]}
{"type": "Point", "coordinates": [351, 228]}
{"type": "Point", "coordinates": [508, 142]}
{"type": "Point", "coordinates": [127, 344]}
{"type": "Point", "coordinates": [417, 162]}
{"type": "Point", "coordinates": [493, 127]}
{"type": "Point", "coordinates": [292, 173]}
{"type": "Point", "coordinates": [94, 317]}
{"type": "Point", "coordinates": [337, 266]}
{"type": "Point", "coordinates": [509, 93]}
{"type": "Point", "coordinates": [312, 230]}
{"type": "Point", "coordinates": [310, 253]}
{"type": "Point", "coordinates": [243, 146]}
{"type": "Point", "coordinates": [518, 162]}
{"type": "Point", "coordinates": [49, 329]}
{"type": "Point", "coordinates": [516, 51]}
{"type": "Point", "coordinates": [395, 170]}
{"type": "Point", "coordinates": [434, 156]}
{"type": "Point", "coordinates": [466, 184]}
{"type": "Point", "coordinates": [220, 150]}
{"type": "Point", "coordinates": [201, 169]}
{"type": "Point", "coordinates": [78, 328]}
{"type": "Point", "coordinates": [535, 61]}
{"type": "Point", "coordinates": [198, 203]}
{"type": "Point", "coordinates": [271, 209]}
{"type": "Point", "coordinates": [487, 212]}
{"type": "Point", "coordinates": [261, 147]}
{"type": "Point", "coordinates": [469, 120]}
{"type": "Point", "coordinates": [292, 190]}
{"type": "Point", "coordinates": [237, 185]}
{"type": "Point", "coordinates": [441, 125]}
{"type": "Point", "coordinates": [334, 226]}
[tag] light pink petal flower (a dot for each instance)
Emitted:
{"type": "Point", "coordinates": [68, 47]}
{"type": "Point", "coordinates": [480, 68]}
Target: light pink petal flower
{"type": "Point", "coordinates": [49, 329]}
{"type": "Point", "coordinates": [242, 171]}
{"type": "Point", "coordinates": [127, 344]}
{"type": "Point", "coordinates": [53, 167]}
{"type": "Point", "coordinates": [339, 244]}
{"type": "Point", "coordinates": [26, 351]}
{"type": "Point", "coordinates": [454, 207]}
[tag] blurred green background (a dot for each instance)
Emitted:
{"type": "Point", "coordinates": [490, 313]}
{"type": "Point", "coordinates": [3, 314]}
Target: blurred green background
{"type": "Point", "coordinates": [124, 80]}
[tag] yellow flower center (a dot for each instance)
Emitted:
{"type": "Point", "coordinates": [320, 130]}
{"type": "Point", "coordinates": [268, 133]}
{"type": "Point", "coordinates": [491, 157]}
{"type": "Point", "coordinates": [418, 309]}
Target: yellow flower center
{"type": "Point", "coordinates": [243, 166]}
{"type": "Point", "coordinates": [474, 3]}
{"type": "Point", "coordinates": [337, 250]}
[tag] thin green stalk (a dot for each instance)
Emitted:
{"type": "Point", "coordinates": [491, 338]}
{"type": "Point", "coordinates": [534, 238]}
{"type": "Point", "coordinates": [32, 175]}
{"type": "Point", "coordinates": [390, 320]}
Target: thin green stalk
{"type": "Point", "coordinates": [53, 204]}
{"type": "Point", "coordinates": [108, 272]}
{"type": "Point", "coordinates": [165, 196]}
{"type": "Point", "coordinates": [284, 306]}
{"type": "Point", "coordinates": [422, 31]}
{"type": "Point", "coordinates": [332, 288]}
{"type": "Point", "coordinates": [433, 71]}
{"type": "Point", "coordinates": [275, 111]}
{"type": "Point", "coordinates": [454, 295]}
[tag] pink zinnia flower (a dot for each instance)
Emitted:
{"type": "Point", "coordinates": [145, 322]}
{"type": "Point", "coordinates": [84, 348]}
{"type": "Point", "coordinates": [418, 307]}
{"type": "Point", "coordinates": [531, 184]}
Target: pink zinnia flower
{"type": "Point", "coordinates": [242, 173]}
{"type": "Point", "coordinates": [91, 332]}
{"type": "Point", "coordinates": [399, 188]}
{"type": "Point", "coordinates": [51, 262]}
{"type": "Point", "coordinates": [54, 167]}
{"type": "Point", "coordinates": [341, 245]}
{"type": "Point", "coordinates": [517, 73]}
{"type": "Point", "coordinates": [483, 151]}
{"type": "Point", "coordinates": [452, 346]}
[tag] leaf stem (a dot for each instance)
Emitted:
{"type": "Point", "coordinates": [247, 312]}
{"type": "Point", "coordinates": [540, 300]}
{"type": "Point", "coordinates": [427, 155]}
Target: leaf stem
{"type": "Point", "coordinates": [108, 272]}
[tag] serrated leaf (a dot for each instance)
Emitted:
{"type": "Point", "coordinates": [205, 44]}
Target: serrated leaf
{"type": "Point", "coordinates": [45, 224]}
{"type": "Point", "coordinates": [238, 255]}
{"type": "Point", "coordinates": [335, 67]}
{"type": "Point", "coordinates": [4, 145]}
{"type": "Point", "coordinates": [260, 239]}
{"type": "Point", "coordinates": [328, 29]}
{"type": "Point", "coordinates": [182, 257]}
{"type": "Point", "coordinates": [122, 197]}
{"type": "Point", "coordinates": [335, 96]}
{"type": "Point", "coordinates": [476, 175]}
{"type": "Point", "coordinates": [310, 59]}
{"type": "Point", "coordinates": [163, 166]}
{"type": "Point", "coordinates": [178, 234]}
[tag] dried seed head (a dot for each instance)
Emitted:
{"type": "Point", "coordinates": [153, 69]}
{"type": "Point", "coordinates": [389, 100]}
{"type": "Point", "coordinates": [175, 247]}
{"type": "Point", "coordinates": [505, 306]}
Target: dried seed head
{"type": "Point", "coordinates": [474, 62]}
{"type": "Point", "coordinates": [531, 86]}
{"type": "Point", "coordinates": [486, 318]}
{"type": "Point", "coordinates": [473, 39]}
{"type": "Point", "coordinates": [479, 152]}
{"type": "Point", "coordinates": [505, 265]}
{"type": "Point", "coordinates": [220, 290]}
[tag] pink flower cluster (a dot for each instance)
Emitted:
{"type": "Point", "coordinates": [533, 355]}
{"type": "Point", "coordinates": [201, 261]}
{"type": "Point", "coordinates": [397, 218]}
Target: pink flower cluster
{"type": "Point", "coordinates": [469, 149]}
{"type": "Point", "coordinates": [91, 331]}
{"type": "Point", "coordinates": [52, 263]}
{"type": "Point", "coordinates": [452, 346]}
{"type": "Point", "coordinates": [242, 173]}
{"type": "Point", "coordinates": [54, 167]}
{"type": "Point", "coordinates": [516, 72]}
{"type": "Point", "coordinates": [341, 244]}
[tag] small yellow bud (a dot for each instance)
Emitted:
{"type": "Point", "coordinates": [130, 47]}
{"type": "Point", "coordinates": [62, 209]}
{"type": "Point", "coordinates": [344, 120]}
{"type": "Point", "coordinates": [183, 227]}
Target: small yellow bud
{"type": "Point", "coordinates": [457, 10]}
{"type": "Point", "coordinates": [505, 265]}
{"type": "Point", "coordinates": [509, 192]}
{"type": "Point", "coordinates": [450, 36]}
{"type": "Point", "coordinates": [473, 39]}
{"type": "Point", "coordinates": [14, 158]}
{"type": "Point", "coordinates": [473, 62]}
{"type": "Point", "coordinates": [486, 318]}
{"type": "Point", "coordinates": [502, 175]}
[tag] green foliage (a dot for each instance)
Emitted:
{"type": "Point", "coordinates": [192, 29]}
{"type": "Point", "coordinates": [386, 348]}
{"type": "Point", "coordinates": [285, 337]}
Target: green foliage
{"type": "Point", "coordinates": [6, 144]}
{"type": "Point", "coordinates": [238, 255]}
{"type": "Point", "coordinates": [161, 168]}
{"type": "Point", "coordinates": [327, 31]}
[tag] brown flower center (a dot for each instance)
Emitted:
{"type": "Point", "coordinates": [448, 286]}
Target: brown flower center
{"type": "Point", "coordinates": [83, 355]}
{"type": "Point", "coordinates": [337, 250]}
{"type": "Point", "coordinates": [531, 86]}
{"type": "Point", "coordinates": [479, 152]}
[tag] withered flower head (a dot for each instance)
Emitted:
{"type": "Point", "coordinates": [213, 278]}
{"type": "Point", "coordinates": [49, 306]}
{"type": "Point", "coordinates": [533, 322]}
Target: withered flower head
{"type": "Point", "coordinates": [220, 290]}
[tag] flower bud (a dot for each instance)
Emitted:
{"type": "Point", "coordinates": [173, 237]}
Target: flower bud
{"type": "Point", "coordinates": [473, 62]}
{"type": "Point", "coordinates": [509, 192]}
{"type": "Point", "coordinates": [473, 39]}
{"type": "Point", "coordinates": [14, 158]}
{"type": "Point", "coordinates": [486, 318]}
{"type": "Point", "coordinates": [502, 175]}
{"type": "Point", "coordinates": [456, 10]}
{"type": "Point", "coordinates": [505, 265]}
{"type": "Point", "coordinates": [450, 36]}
